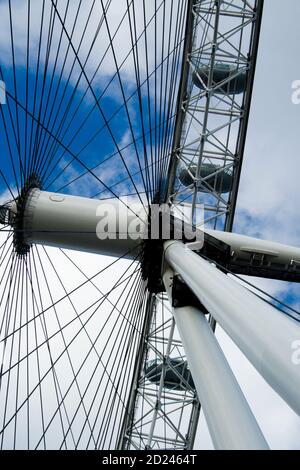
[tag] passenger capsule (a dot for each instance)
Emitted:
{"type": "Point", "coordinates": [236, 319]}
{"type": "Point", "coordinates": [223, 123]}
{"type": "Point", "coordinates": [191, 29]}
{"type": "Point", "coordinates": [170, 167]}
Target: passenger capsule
{"type": "Point", "coordinates": [221, 72]}
{"type": "Point", "coordinates": [220, 181]}
{"type": "Point", "coordinates": [172, 381]}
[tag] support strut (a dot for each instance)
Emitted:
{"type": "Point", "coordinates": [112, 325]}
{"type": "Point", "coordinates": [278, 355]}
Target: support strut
{"type": "Point", "coordinates": [262, 333]}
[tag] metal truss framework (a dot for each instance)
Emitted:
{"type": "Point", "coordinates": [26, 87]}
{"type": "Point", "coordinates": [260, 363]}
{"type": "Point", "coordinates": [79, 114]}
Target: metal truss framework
{"type": "Point", "coordinates": [212, 121]}
{"type": "Point", "coordinates": [210, 129]}
{"type": "Point", "coordinates": [163, 417]}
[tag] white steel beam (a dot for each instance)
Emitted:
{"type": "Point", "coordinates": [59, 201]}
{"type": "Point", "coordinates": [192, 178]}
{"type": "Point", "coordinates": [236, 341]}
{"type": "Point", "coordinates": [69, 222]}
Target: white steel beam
{"type": "Point", "coordinates": [243, 246]}
{"type": "Point", "coordinates": [230, 420]}
{"type": "Point", "coordinates": [266, 336]}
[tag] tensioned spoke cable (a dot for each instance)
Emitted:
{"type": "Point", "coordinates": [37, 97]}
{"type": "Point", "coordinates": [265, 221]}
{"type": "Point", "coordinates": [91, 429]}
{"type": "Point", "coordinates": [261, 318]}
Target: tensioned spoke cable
{"type": "Point", "coordinates": [36, 81]}
{"type": "Point", "coordinates": [98, 165]}
{"type": "Point", "coordinates": [128, 55]}
{"type": "Point", "coordinates": [72, 304]}
{"type": "Point", "coordinates": [117, 183]}
{"type": "Point", "coordinates": [39, 103]}
{"type": "Point", "coordinates": [44, 81]}
{"type": "Point", "coordinates": [11, 124]}
{"type": "Point", "coordinates": [113, 138]}
{"type": "Point", "coordinates": [90, 281]}
{"type": "Point", "coordinates": [140, 308]}
{"type": "Point", "coordinates": [114, 354]}
{"type": "Point", "coordinates": [11, 269]}
{"type": "Point", "coordinates": [27, 83]}
{"type": "Point", "coordinates": [15, 81]}
{"type": "Point", "coordinates": [63, 339]}
{"type": "Point", "coordinates": [18, 301]}
{"type": "Point", "coordinates": [27, 360]}
{"type": "Point", "coordinates": [163, 112]}
{"type": "Point", "coordinates": [145, 183]}
{"type": "Point", "coordinates": [56, 382]}
{"type": "Point", "coordinates": [173, 90]}
{"type": "Point", "coordinates": [39, 145]}
{"type": "Point", "coordinates": [155, 86]}
{"type": "Point", "coordinates": [160, 88]}
{"type": "Point", "coordinates": [95, 304]}
{"type": "Point", "coordinates": [78, 160]}
{"type": "Point", "coordinates": [47, 152]}
{"type": "Point", "coordinates": [127, 322]}
{"type": "Point", "coordinates": [115, 113]}
{"type": "Point", "coordinates": [150, 130]}
{"type": "Point", "coordinates": [31, 274]}
{"type": "Point", "coordinates": [44, 153]}
{"type": "Point", "coordinates": [72, 291]}
{"type": "Point", "coordinates": [124, 368]}
{"type": "Point", "coordinates": [152, 150]}
{"type": "Point", "coordinates": [132, 27]}
{"type": "Point", "coordinates": [7, 125]}
{"type": "Point", "coordinates": [124, 385]}
{"type": "Point", "coordinates": [11, 158]}
{"type": "Point", "coordinates": [2, 247]}
{"type": "Point", "coordinates": [6, 279]}
{"type": "Point", "coordinates": [33, 390]}
{"type": "Point", "coordinates": [70, 385]}
{"type": "Point", "coordinates": [31, 297]}
{"type": "Point", "coordinates": [257, 289]}
{"type": "Point", "coordinates": [170, 86]}
{"type": "Point", "coordinates": [53, 148]}
{"type": "Point", "coordinates": [11, 317]}
{"type": "Point", "coordinates": [54, 394]}
{"type": "Point", "coordinates": [135, 327]}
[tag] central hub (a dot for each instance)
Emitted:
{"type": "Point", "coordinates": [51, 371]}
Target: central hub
{"type": "Point", "coordinates": [17, 216]}
{"type": "Point", "coordinates": [164, 226]}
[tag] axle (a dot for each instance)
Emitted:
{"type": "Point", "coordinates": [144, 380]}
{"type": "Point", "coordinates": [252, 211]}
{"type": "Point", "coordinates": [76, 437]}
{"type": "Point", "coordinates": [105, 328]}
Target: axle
{"type": "Point", "coordinates": [75, 223]}
{"type": "Point", "coordinates": [119, 228]}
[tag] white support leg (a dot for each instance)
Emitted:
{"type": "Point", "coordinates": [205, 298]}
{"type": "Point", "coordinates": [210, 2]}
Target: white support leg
{"type": "Point", "coordinates": [263, 334]}
{"type": "Point", "coordinates": [229, 418]}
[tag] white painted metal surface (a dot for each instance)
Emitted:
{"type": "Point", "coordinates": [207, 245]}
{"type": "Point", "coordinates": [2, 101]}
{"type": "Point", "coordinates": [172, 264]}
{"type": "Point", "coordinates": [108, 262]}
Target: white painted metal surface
{"type": "Point", "coordinates": [263, 334]}
{"type": "Point", "coordinates": [72, 222]}
{"type": "Point", "coordinates": [230, 420]}
{"type": "Point", "coordinates": [78, 223]}
{"type": "Point", "coordinates": [244, 246]}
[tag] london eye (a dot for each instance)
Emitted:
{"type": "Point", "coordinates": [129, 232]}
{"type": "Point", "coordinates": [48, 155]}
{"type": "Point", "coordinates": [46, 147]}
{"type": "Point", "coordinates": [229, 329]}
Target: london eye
{"type": "Point", "coordinates": [115, 114]}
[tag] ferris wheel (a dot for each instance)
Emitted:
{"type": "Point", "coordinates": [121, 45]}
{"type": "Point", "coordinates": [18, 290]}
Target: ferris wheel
{"type": "Point", "coordinates": [118, 117]}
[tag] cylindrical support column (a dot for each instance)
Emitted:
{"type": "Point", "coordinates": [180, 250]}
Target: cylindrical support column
{"type": "Point", "coordinates": [229, 418]}
{"type": "Point", "coordinates": [264, 335]}
{"type": "Point", "coordinates": [106, 227]}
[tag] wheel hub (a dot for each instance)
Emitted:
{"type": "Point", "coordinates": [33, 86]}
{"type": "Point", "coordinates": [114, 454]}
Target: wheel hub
{"type": "Point", "coordinates": [13, 214]}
